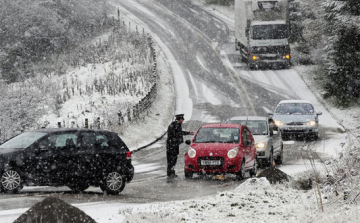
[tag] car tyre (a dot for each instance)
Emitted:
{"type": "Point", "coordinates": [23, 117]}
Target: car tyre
{"type": "Point", "coordinates": [11, 181]}
{"type": "Point", "coordinates": [241, 174]}
{"type": "Point", "coordinates": [188, 174]}
{"type": "Point", "coordinates": [113, 183]}
{"type": "Point", "coordinates": [253, 171]}
{"type": "Point", "coordinates": [280, 158]}
{"type": "Point", "coordinates": [271, 158]}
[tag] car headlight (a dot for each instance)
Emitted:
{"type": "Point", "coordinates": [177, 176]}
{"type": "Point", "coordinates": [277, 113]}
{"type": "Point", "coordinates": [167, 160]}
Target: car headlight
{"type": "Point", "coordinates": [260, 145]}
{"type": "Point", "coordinates": [254, 57]}
{"type": "Point", "coordinates": [311, 123]}
{"type": "Point", "coordinates": [278, 123]}
{"type": "Point", "coordinates": [191, 152]}
{"type": "Point", "coordinates": [233, 152]}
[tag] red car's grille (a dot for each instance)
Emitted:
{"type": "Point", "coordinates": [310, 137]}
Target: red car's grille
{"type": "Point", "coordinates": [217, 162]}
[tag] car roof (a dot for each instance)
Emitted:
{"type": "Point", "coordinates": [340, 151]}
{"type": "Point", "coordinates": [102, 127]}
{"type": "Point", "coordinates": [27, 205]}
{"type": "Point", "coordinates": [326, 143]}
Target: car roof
{"type": "Point", "coordinates": [245, 118]}
{"type": "Point", "coordinates": [221, 125]}
{"type": "Point", "coordinates": [52, 130]}
{"type": "Point", "coordinates": [294, 101]}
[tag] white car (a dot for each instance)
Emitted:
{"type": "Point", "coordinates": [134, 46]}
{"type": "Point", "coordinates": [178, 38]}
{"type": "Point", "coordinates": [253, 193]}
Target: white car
{"type": "Point", "coordinates": [296, 118]}
{"type": "Point", "coordinates": [269, 146]}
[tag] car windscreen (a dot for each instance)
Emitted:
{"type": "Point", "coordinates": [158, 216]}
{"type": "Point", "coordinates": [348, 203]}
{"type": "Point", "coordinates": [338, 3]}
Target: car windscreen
{"type": "Point", "coordinates": [22, 141]}
{"type": "Point", "coordinates": [295, 109]}
{"type": "Point", "coordinates": [257, 127]}
{"type": "Point", "coordinates": [220, 135]}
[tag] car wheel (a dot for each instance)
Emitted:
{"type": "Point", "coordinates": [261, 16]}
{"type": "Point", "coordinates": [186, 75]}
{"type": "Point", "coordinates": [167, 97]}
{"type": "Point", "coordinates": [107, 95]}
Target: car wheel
{"type": "Point", "coordinates": [253, 171]}
{"type": "Point", "coordinates": [271, 158]}
{"type": "Point", "coordinates": [188, 174]}
{"type": "Point", "coordinates": [315, 136]}
{"type": "Point", "coordinates": [279, 159]}
{"type": "Point", "coordinates": [78, 187]}
{"type": "Point", "coordinates": [114, 183]}
{"type": "Point", "coordinates": [11, 181]}
{"type": "Point", "coordinates": [241, 174]}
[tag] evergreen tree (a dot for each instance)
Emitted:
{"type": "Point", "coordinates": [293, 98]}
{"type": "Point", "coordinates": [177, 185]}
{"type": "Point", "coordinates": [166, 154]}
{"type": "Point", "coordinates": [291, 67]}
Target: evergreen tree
{"type": "Point", "coordinates": [343, 52]}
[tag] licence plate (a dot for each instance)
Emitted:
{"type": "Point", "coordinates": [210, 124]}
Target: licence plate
{"type": "Point", "coordinates": [295, 128]}
{"type": "Point", "coordinates": [210, 162]}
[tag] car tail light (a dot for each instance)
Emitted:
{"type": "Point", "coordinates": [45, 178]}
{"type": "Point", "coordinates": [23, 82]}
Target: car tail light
{"type": "Point", "coordinates": [128, 155]}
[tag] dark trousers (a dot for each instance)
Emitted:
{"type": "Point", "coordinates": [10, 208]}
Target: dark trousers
{"type": "Point", "coordinates": [171, 162]}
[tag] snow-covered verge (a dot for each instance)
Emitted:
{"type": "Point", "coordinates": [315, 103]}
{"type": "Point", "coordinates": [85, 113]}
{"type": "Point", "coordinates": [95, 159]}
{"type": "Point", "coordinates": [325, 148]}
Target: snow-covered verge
{"type": "Point", "coordinates": [255, 200]}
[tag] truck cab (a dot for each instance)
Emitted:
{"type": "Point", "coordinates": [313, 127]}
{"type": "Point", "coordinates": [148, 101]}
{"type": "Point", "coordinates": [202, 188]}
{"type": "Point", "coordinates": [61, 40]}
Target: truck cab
{"type": "Point", "coordinates": [262, 32]}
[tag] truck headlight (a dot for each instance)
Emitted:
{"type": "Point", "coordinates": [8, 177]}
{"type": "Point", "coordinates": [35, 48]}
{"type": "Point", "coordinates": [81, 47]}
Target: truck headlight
{"type": "Point", "coordinates": [191, 152]}
{"type": "Point", "coordinates": [254, 57]}
{"type": "Point", "coordinates": [311, 123]}
{"type": "Point", "coordinates": [233, 152]}
{"type": "Point", "coordinates": [287, 56]}
{"type": "Point", "coordinates": [278, 123]}
{"type": "Point", "coordinates": [260, 145]}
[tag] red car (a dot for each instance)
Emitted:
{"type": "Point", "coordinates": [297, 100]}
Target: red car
{"type": "Point", "coordinates": [221, 148]}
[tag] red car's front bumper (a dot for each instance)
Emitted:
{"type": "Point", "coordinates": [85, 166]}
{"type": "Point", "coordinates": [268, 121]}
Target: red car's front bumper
{"type": "Point", "coordinates": [214, 165]}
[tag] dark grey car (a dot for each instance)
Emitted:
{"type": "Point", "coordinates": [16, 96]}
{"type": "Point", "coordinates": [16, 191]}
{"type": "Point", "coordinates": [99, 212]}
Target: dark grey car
{"type": "Point", "coordinates": [296, 118]}
{"type": "Point", "coordinates": [77, 158]}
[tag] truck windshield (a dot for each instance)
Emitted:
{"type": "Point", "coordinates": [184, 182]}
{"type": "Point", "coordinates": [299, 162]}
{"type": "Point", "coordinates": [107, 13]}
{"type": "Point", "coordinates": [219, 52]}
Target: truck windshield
{"type": "Point", "coordinates": [273, 31]}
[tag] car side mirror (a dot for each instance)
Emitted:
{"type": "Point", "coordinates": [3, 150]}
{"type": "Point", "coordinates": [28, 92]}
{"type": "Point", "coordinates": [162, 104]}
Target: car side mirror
{"type": "Point", "coordinates": [188, 142]}
{"type": "Point", "coordinates": [318, 113]}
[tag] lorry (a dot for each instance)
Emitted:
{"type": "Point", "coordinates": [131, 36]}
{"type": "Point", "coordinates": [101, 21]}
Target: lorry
{"type": "Point", "coordinates": [262, 32]}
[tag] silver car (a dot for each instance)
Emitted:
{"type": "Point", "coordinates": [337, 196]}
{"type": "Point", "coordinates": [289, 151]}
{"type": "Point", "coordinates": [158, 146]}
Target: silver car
{"type": "Point", "coordinates": [269, 146]}
{"type": "Point", "coordinates": [296, 118]}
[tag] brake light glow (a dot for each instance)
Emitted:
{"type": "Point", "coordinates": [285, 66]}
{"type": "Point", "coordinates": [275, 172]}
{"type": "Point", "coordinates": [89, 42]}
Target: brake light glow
{"type": "Point", "coordinates": [128, 155]}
